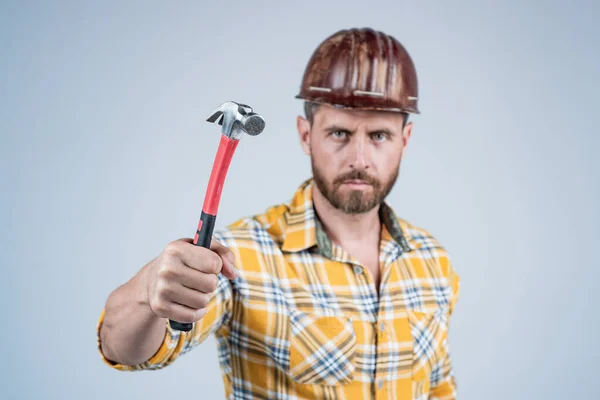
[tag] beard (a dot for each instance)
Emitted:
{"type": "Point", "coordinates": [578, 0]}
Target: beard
{"type": "Point", "coordinates": [356, 201]}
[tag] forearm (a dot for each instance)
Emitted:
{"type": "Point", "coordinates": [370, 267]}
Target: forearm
{"type": "Point", "coordinates": [131, 333]}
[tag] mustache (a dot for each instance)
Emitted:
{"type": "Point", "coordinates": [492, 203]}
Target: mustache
{"type": "Point", "coordinates": [356, 175]}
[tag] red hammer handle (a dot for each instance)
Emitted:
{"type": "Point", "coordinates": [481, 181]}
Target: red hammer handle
{"type": "Point", "coordinates": [208, 217]}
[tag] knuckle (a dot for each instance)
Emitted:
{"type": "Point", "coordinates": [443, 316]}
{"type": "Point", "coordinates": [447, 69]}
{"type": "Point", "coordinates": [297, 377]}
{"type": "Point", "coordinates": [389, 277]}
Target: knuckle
{"type": "Point", "coordinates": [159, 307]}
{"type": "Point", "coordinates": [172, 249]}
{"type": "Point", "coordinates": [167, 273]}
{"type": "Point", "coordinates": [163, 290]}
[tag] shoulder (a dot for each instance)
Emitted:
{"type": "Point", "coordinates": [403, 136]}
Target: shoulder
{"type": "Point", "coordinates": [420, 237]}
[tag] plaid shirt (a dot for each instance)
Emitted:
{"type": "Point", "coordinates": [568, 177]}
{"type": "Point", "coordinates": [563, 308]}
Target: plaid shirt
{"type": "Point", "coordinates": [304, 319]}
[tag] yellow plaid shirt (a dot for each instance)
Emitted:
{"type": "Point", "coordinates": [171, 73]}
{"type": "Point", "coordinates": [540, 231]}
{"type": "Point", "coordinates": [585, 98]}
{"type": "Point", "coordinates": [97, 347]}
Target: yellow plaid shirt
{"type": "Point", "coordinates": [304, 319]}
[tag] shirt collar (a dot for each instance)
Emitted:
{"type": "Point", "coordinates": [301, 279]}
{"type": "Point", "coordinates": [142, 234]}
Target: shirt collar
{"type": "Point", "coordinates": [303, 230]}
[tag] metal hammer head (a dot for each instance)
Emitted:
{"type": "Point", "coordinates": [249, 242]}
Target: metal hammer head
{"type": "Point", "coordinates": [237, 118]}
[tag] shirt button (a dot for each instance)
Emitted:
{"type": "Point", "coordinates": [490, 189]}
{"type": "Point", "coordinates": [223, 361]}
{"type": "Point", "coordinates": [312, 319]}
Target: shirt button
{"type": "Point", "coordinates": [382, 327]}
{"type": "Point", "coordinates": [380, 384]}
{"type": "Point", "coordinates": [357, 270]}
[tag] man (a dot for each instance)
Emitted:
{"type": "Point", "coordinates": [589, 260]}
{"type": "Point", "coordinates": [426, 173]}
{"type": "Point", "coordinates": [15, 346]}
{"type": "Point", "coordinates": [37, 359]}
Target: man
{"type": "Point", "coordinates": [334, 296]}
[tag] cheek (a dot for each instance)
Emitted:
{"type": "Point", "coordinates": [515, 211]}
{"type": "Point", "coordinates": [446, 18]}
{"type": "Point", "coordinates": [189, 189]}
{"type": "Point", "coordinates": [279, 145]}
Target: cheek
{"type": "Point", "coordinates": [327, 155]}
{"type": "Point", "coordinates": [386, 162]}
{"type": "Point", "coordinates": [328, 164]}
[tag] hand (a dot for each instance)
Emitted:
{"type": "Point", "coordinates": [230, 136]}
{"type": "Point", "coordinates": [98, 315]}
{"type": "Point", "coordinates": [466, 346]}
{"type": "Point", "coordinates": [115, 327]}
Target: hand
{"type": "Point", "coordinates": [183, 277]}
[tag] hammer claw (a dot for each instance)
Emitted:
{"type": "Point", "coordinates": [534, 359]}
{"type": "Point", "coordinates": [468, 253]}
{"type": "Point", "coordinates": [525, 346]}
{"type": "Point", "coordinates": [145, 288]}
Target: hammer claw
{"type": "Point", "coordinates": [216, 116]}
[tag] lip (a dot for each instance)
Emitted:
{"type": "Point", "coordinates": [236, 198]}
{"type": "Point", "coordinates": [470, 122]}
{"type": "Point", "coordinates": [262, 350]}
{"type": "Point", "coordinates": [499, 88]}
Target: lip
{"type": "Point", "coordinates": [355, 183]}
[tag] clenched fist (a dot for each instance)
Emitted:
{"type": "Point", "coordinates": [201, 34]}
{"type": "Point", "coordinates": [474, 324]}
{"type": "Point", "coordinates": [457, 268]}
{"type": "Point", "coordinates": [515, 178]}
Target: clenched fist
{"type": "Point", "coordinates": [183, 277]}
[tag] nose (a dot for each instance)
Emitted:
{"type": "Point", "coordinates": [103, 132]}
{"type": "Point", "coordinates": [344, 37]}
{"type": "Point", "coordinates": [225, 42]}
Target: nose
{"type": "Point", "coordinates": [358, 153]}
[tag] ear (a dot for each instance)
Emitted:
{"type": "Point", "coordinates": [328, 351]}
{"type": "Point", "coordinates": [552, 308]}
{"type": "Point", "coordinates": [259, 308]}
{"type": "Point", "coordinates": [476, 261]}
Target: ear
{"type": "Point", "coordinates": [406, 132]}
{"type": "Point", "coordinates": [304, 133]}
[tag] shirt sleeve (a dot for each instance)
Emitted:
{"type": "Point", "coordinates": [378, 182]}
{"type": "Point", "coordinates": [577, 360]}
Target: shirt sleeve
{"type": "Point", "coordinates": [442, 380]}
{"type": "Point", "coordinates": [176, 343]}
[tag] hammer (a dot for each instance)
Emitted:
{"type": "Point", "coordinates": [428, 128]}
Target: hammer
{"type": "Point", "coordinates": [235, 118]}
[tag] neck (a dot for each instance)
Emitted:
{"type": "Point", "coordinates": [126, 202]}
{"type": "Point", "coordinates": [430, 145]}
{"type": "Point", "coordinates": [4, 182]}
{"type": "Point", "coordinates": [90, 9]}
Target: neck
{"type": "Point", "coordinates": [346, 228]}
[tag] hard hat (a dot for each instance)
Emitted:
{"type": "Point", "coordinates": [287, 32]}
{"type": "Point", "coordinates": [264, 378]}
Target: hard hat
{"type": "Point", "coordinates": [361, 68]}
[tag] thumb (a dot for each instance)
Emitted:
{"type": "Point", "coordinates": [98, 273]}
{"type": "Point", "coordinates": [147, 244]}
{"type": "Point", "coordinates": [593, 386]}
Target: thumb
{"type": "Point", "coordinates": [228, 270]}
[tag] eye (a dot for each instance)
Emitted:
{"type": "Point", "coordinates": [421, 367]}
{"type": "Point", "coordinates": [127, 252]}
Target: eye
{"type": "Point", "coordinates": [339, 134]}
{"type": "Point", "coordinates": [379, 136]}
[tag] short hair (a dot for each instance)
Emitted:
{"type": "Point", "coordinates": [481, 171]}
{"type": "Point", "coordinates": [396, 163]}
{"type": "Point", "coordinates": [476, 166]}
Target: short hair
{"type": "Point", "coordinates": [310, 108]}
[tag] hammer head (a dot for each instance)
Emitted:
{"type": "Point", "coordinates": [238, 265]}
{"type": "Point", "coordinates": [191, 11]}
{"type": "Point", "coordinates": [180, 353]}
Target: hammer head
{"type": "Point", "coordinates": [237, 118]}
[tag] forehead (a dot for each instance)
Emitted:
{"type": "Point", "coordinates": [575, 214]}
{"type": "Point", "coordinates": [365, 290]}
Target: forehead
{"type": "Point", "coordinates": [350, 118]}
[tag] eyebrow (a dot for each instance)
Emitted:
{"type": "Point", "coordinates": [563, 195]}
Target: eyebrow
{"type": "Point", "coordinates": [335, 128]}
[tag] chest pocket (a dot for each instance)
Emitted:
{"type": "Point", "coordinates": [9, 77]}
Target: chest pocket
{"type": "Point", "coordinates": [322, 349]}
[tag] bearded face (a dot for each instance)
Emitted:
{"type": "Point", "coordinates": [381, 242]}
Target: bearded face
{"type": "Point", "coordinates": [355, 154]}
{"type": "Point", "coordinates": [354, 192]}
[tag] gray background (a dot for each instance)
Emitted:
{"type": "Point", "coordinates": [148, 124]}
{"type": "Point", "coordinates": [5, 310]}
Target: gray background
{"type": "Point", "coordinates": [105, 157]}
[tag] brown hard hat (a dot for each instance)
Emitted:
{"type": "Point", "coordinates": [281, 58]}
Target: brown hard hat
{"type": "Point", "coordinates": [361, 68]}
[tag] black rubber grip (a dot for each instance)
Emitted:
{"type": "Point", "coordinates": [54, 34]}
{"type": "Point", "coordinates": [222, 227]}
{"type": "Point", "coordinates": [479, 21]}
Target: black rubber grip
{"type": "Point", "coordinates": [206, 231]}
{"type": "Point", "coordinates": [202, 239]}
